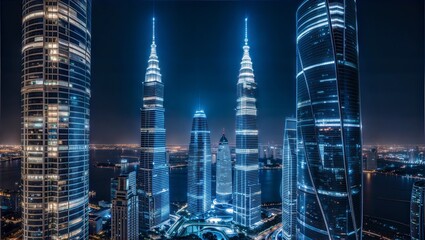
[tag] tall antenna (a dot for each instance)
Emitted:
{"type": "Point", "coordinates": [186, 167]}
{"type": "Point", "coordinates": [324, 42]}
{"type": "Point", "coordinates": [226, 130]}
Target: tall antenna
{"type": "Point", "coordinates": [246, 31]}
{"type": "Point", "coordinates": [199, 101]}
{"type": "Point", "coordinates": [153, 30]}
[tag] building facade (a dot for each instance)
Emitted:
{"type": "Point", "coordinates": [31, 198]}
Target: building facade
{"type": "Point", "coordinates": [417, 211]}
{"type": "Point", "coordinates": [372, 159]}
{"type": "Point", "coordinates": [55, 95]}
{"type": "Point", "coordinates": [224, 188]}
{"type": "Point", "coordinates": [125, 209]}
{"type": "Point", "coordinates": [289, 180]}
{"type": "Point", "coordinates": [328, 117]}
{"type": "Point", "coordinates": [153, 176]}
{"type": "Point", "coordinates": [247, 190]}
{"type": "Point", "coordinates": [199, 167]}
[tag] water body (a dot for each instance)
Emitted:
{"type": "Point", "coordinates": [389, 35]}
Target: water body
{"type": "Point", "coordinates": [385, 196]}
{"type": "Point", "coordinates": [388, 197]}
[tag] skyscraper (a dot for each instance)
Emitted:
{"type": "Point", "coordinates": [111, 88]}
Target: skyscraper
{"type": "Point", "coordinates": [414, 154]}
{"type": "Point", "coordinates": [289, 180]}
{"type": "Point", "coordinates": [153, 174]}
{"type": "Point", "coordinates": [125, 209]}
{"type": "Point", "coordinates": [328, 121]}
{"type": "Point", "coordinates": [372, 159]}
{"type": "Point", "coordinates": [417, 211]}
{"type": "Point", "coordinates": [224, 172]}
{"type": "Point", "coordinates": [55, 95]}
{"type": "Point", "coordinates": [124, 170]}
{"type": "Point", "coordinates": [247, 191]}
{"type": "Point", "coordinates": [199, 166]}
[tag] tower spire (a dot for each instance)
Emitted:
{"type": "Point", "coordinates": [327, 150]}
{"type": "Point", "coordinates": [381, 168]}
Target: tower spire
{"type": "Point", "coordinates": [153, 30]}
{"type": "Point", "coordinates": [246, 31]}
{"type": "Point", "coordinates": [153, 45]}
{"type": "Point", "coordinates": [153, 71]}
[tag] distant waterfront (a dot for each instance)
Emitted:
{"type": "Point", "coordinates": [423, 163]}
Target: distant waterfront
{"type": "Point", "coordinates": [385, 196]}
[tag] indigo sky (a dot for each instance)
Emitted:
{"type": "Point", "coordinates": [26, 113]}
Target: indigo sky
{"type": "Point", "coordinates": [200, 49]}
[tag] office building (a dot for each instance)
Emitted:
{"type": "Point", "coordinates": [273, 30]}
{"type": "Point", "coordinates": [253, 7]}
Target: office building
{"type": "Point", "coordinates": [55, 97]}
{"type": "Point", "coordinates": [95, 224]}
{"type": "Point", "coordinates": [329, 203]}
{"type": "Point", "coordinates": [125, 209]}
{"type": "Point", "coordinates": [417, 211]}
{"type": "Point", "coordinates": [247, 190]}
{"type": "Point", "coordinates": [224, 189]}
{"type": "Point", "coordinates": [372, 159]}
{"type": "Point", "coordinates": [289, 180]}
{"type": "Point", "coordinates": [153, 177]}
{"type": "Point", "coordinates": [199, 167]}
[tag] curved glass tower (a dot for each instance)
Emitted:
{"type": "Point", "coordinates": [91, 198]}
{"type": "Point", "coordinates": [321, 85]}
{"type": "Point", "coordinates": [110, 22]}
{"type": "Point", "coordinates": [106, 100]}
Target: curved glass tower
{"type": "Point", "coordinates": [289, 180]}
{"type": "Point", "coordinates": [247, 191]}
{"type": "Point", "coordinates": [224, 172]}
{"type": "Point", "coordinates": [55, 94]}
{"type": "Point", "coordinates": [417, 211]}
{"type": "Point", "coordinates": [199, 166]}
{"type": "Point", "coordinates": [153, 175]}
{"type": "Point", "coordinates": [328, 118]}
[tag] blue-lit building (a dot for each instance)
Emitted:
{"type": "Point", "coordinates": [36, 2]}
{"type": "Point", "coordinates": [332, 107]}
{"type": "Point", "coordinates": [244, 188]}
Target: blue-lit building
{"type": "Point", "coordinates": [224, 189]}
{"type": "Point", "coordinates": [328, 117]}
{"type": "Point", "coordinates": [247, 190]}
{"type": "Point", "coordinates": [124, 170]}
{"type": "Point", "coordinates": [199, 167]}
{"type": "Point", "coordinates": [417, 211]}
{"type": "Point", "coordinates": [125, 209]}
{"type": "Point", "coordinates": [55, 98]}
{"type": "Point", "coordinates": [289, 180]}
{"type": "Point", "coordinates": [371, 159]}
{"type": "Point", "coordinates": [153, 175]}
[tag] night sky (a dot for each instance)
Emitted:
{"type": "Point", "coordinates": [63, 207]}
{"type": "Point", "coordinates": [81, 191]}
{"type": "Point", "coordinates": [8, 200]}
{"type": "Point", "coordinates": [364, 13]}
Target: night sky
{"type": "Point", "coordinates": [200, 49]}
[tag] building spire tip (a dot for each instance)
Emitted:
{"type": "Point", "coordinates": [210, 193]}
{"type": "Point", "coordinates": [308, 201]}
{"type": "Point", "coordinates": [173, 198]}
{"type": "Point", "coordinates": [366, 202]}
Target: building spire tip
{"type": "Point", "coordinates": [153, 30]}
{"type": "Point", "coordinates": [246, 31]}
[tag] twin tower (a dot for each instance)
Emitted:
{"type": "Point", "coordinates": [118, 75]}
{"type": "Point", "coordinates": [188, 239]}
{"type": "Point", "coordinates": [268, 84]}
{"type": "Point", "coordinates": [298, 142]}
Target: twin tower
{"type": "Point", "coordinates": [153, 176]}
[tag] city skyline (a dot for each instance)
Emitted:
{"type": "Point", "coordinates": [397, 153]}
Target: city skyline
{"type": "Point", "coordinates": [378, 80]}
{"type": "Point", "coordinates": [320, 180]}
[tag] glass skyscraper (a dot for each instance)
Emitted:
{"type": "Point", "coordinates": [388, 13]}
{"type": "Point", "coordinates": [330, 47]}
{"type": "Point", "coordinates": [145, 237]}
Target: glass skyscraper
{"type": "Point", "coordinates": [125, 208]}
{"type": "Point", "coordinates": [247, 191]}
{"type": "Point", "coordinates": [417, 211]}
{"type": "Point", "coordinates": [289, 180]}
{"type": "Point", "coordinates": [224, 172]}
{"type": "Point", "coordinates": [153, 176]}
{"type": "Point", "coordinates": [55, 95]}
{"type": "Point", "coordinates": [328, 117]}
{"type": "Point", "coordinates": [199, 167]}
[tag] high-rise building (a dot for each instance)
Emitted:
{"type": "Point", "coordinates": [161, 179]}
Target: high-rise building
{"type": "Point", "coordinates": [247, 191]}
{"type": "Point", "coordinates": [417, 211]}
{"type": "Point", "coordinates": [224, 172]}
{"type": "Point", "coordinates": [372, 159]}
{"type": "Point", "coordinates": [113, 187]}
{"type": "Point", "coordinates": [124, 170]}
{"type": "Point", "coordinates": [199, 166]}
{"type": "Point", "coordinates": [414, 154]}
{"type": "Point", "coordinates": [153, 177]}
{"type": "Point", "coordinates": [55, 97]}
{"type": "Point", "coordinates": [125, 209]}
{"type": "Point", "coordinates": [329, 203]}
{"type": "Point", "coordinates": [289, 180]}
